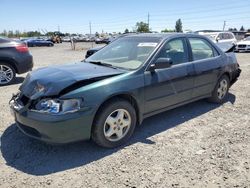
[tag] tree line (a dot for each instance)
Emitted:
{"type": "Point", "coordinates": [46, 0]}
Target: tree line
{"type": "Point", "coordinates": [140, 27]}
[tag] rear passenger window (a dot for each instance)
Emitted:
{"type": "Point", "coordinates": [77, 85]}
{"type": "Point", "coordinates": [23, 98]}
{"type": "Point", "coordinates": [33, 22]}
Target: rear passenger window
{"type": "Point", "coordinates": [221, 36]}
{"type": "Point", "coordinates": [227, 36]}
{"type": "Point", "coordinates": [175, 49]}
{"type": "Point", "coordinates": [201, 49]}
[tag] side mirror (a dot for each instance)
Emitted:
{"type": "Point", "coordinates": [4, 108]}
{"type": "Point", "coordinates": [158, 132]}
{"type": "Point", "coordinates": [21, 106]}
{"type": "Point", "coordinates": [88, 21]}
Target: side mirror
{"type": "Point", "coordinates": [217, 39]}
{"type": "Point", "coordinates": [161, 63]}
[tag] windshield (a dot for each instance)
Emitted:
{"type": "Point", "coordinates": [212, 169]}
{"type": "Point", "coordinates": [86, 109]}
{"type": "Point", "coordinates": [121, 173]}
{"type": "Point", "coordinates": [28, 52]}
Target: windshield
{"type": "Point", "coordinates": [127, 52]}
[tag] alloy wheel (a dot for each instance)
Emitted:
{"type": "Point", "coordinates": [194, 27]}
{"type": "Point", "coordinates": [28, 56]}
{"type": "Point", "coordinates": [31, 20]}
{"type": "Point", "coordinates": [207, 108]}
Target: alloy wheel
{"type": "Point", "coordinates": [222, 89]}
{"type": "Point", "coordinates": [117, 125]}
{"type": "Point", "coordinates": [6, 74]}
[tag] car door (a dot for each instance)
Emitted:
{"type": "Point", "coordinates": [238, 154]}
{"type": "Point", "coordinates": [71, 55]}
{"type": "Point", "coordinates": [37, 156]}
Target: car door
{"type": "Point", "coordinates": [170, 86]}
{"type": "Point", "coordinates": [207, 64]}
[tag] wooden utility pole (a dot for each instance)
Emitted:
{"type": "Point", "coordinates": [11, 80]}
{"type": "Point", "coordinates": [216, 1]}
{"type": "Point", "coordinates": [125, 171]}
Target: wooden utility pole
{"type": "Point", "coordinates": [224, 25]}
{"type": "Point", "coordinates": [90, 33]}
{"type": "Point", "coordinates": [148, 20]}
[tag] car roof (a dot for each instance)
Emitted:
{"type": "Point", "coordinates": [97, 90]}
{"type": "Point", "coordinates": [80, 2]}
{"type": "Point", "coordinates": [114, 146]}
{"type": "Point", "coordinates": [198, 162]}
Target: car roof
{"type": "Point", "coordinates": [163, 36]}
{"type": "Point", "coordinates": [215, 33]}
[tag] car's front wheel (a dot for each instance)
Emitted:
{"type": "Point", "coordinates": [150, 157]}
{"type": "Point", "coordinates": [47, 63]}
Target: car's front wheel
{"type": "Point", "coordinates": [114, 124]}
{"type": "Point", "coordinates": [221, 90]}
{"type": "Point", "coordinates": [7, 74]}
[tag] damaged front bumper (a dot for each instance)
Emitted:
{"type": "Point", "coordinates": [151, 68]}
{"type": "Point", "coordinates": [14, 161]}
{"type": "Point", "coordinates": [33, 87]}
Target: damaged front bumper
{"type": "Point", "coordinates": [52, 128]}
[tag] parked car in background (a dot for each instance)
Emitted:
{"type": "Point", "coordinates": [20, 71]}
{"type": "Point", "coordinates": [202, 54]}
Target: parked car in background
{"type": "Point", "coordinates": [221, 37]}
{"type": "Point", "coordinates": [132, 78]}
{"type": "Point", "coordinates": [100, 41]}
{"type": "Point", "coordinates": [104, 40]}
{"type": "Point", "coordinates": [243, 46]}
{"type": "Point", "coordinates": [92, 51]}
{"type": "Point", "coordinates": [66, 39]}
{"type": "Point", "coordinates": [14, 59]}
{"type": "Point", "coordinates": [38, 42]}
{"type": "Point", "coordinates": [224, 40]}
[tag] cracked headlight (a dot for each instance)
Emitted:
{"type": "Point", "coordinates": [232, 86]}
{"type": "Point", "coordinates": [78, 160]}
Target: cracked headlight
{"type": "Point", "coordinates": [57, 106]}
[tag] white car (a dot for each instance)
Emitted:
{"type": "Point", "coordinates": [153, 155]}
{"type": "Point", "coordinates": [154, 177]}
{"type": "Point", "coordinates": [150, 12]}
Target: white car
{"type": "Point", "coordinates": [220, 37]}
{"type": "Point", "coordinates": [243, 46]}
{"type": "Point", "coordinates": [224, 40]}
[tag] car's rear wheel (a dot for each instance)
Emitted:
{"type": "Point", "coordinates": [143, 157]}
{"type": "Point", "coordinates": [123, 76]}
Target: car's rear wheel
{"type": "Point", "coordinates": [7, 74]}
{"type": "Point", "coordinates": [221, 90]}
{"type": "Point", "coordinates": [114, 124]}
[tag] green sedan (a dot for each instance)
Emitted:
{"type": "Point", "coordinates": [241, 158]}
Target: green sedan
{"type": "Point", "coordinates": [104, 97]}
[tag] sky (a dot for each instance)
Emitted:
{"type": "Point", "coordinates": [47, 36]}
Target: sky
{"type": "Point", "coordinates": [116, 15]}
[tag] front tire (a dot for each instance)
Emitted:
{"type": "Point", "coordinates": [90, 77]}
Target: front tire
{"type": "Point", "coordinates": [114, 124]}
{"type": "Point", "coordinates": [7, 74]}
{"type": "Point", "coordinates": [221, 90]}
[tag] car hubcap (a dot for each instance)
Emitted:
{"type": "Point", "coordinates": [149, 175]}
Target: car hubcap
{"type": "Point", "coordinates": [117, 125]}
{"type": "Point", "coordinates": [222, 89]}
{"type": "Point", "coordinates": [6, 74]}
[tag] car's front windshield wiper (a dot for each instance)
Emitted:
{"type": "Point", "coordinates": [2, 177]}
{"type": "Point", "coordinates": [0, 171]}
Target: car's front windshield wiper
{"type": "Point", "coordinates": [102, 63]}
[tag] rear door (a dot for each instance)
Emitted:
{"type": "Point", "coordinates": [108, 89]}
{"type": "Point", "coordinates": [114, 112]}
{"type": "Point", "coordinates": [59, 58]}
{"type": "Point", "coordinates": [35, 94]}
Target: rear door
{"type": "Point", "coordinates": [167, 87]}
{"type": "Point", "coordinates": [207, 65]}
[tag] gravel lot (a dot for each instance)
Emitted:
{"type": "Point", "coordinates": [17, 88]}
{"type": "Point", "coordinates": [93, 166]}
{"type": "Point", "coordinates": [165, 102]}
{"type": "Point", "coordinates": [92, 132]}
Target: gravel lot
{"type": "Point", "coordinates": [197, 145]}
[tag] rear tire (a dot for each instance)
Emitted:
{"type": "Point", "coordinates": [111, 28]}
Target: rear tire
{"type": "Point", "coordinates": [221, 90]}
{"type": "Point", "coordinates": [114, 124]}
{"type": "Point", "coordinates": [7, 74]}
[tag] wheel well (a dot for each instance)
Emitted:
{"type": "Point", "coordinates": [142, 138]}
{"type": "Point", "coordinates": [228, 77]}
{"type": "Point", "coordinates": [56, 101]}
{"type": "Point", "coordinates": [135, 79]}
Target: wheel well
{"type": "Point", "coordinates": [228, 75]}
{"type": "Point", "coordinates": [10, 63]}
{"type": "Point", "coordinates": [126, 97]}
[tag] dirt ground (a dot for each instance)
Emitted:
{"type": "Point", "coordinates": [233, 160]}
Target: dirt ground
{"type": "Point", "coordinates": [197, 145]}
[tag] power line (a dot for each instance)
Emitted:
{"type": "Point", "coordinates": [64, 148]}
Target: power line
{"type": "Point", "coordinates": [213, 16]}
{"type": "Point", "coordinates": [219, 6]}
{"type": "Point", "coordinates": [170, 13]}
{"type": "Point", "coordinates": [206, 10]}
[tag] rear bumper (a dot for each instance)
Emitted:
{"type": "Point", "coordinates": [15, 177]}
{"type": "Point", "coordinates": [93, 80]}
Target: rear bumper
{"type": "Point", "coordinates": [24, 64]}
{"type": "Point", "coordinates": [235, 76]}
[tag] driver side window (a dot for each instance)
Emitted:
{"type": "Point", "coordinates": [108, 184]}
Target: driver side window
{"type": "Point", "coordinates": [175, 49]}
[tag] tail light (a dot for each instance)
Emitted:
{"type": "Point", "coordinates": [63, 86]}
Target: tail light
{"type": "Point", "coordinates": [22, 48]}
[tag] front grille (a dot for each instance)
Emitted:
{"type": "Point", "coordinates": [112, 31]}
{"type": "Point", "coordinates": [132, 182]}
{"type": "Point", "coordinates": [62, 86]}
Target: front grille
{"type": "Point", "coordinates": [29, 130]}
{"type": "Point", "coordinates": [24, 100]}
{"type": "Point", "coordinates": [242, 46]}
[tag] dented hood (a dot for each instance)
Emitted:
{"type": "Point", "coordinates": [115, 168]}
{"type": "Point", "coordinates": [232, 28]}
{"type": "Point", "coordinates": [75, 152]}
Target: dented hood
{"type": "Point", "coordinates": [50, 81]}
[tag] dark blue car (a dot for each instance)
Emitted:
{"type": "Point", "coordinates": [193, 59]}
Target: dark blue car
{"type": "Point", "coordinates": [38, 42]}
